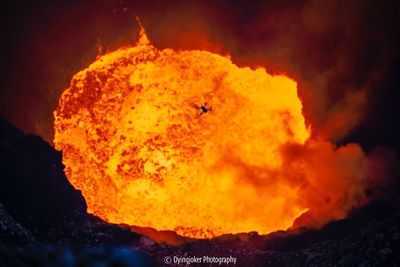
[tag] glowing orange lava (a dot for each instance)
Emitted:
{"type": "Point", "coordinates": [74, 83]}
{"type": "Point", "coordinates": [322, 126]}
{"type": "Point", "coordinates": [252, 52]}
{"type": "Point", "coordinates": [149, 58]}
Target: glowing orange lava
{"type": "Point", "coordinates": [134, 143]}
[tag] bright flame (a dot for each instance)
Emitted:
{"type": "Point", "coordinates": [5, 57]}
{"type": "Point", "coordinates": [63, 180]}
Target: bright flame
{"type": "Point", "coordinates": [135, 144]}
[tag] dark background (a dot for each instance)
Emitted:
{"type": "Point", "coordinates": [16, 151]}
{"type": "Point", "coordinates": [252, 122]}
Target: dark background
{"type": "Point", "coordinates": [343, 54]}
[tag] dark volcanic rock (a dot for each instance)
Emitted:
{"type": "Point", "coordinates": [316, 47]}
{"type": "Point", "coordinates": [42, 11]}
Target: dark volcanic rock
{"type": "Point", "coordinates": [12, 232]}
{"type": "Point", "coordinates": [33, 187]}
{"type": "Point", "coordinates": [36, 194]}
{"type": "Point", "coordinates": [378, 244]}
{"type": "Point", "coordinates": [47, 255]}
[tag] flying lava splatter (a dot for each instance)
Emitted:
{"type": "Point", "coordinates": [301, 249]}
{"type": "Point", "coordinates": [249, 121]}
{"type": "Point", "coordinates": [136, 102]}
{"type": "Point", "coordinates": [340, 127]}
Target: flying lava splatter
{"type": "Point", "coordinates": [134, 143]}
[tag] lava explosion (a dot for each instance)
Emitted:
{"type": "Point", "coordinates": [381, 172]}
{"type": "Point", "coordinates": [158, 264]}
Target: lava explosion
{"type": "Point", "coordinates": [134, 143]}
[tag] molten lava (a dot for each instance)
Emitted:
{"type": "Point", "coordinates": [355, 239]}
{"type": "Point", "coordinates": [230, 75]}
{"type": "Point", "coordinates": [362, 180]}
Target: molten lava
{"type": "Point", "coordinates": [135, 144]}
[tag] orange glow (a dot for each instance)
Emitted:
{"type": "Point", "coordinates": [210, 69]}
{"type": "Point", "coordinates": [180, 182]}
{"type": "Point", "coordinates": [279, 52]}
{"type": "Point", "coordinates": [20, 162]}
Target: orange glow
{"type": "Point", "coordinates": [134, 143]}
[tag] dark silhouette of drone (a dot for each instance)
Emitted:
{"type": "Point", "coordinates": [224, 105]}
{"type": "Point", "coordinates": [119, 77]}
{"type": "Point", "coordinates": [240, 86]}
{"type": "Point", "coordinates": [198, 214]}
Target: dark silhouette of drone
{"type": "Point", "coordinates": [204, 109]}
